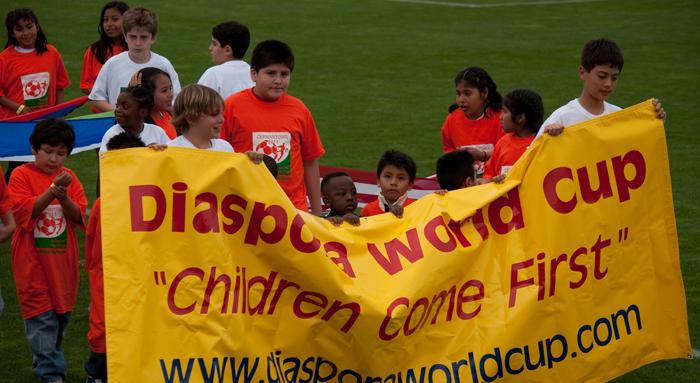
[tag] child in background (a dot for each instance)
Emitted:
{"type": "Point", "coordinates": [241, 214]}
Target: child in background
{"type": "Point", "coordinates": [522, 116]}
{"type": "Point", "coordinates": [229, 42]}
{"type": "Point", "coordinates": [133, 105]}
{"type": "Point", "coordinates": [110, 43]}
{"type": "Point", "coordinates": [455, 170]}
{"type": "Point", "coordinates": [48, 202]}
{"type": "Point", "coordinates": [140, 28]}
{"type": "Point", "coordinates": [7, 221]}
{"type": "Point", "coordinates": [96, 365]}
{"type": "Point", "coordinates": [476, 125]}
{"type": "Point", "coordinates": [340, 195]}
{"type": "Point", "coordinates": [159, 81]}
{"type": "Point", "coordinates": [396, 172]}
{"type": "Point", "coordinates": [267, 120]}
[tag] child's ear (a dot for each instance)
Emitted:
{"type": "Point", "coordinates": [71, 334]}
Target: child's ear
{"type": "Point", "coordinates": [521, 119]}
{"type": "Point", "coordinates": [485, 94]}
{"type": "Point", "coordinates": [228, 50]}
{"type": "Point", "coordinates": [582, 72]}
{"type": "Point", "coordinates": [254, 75]}
{"type": "Point", "coordinates": [325, 200]}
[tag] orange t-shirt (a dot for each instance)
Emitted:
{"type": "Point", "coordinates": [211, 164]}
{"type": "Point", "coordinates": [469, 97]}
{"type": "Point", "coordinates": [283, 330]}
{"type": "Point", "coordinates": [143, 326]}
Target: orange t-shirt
{"type": "Point", "coordinates": [459, 131]}
{"type": "Point", "coordinates": [164, 121]}
{"type": "Point", "coordinates": [31, 79]}
{"type": "Point", "coordinates": [44, 248]}
{"type": "Point", "coordinates": [373, 208]}
{"type": "Point", "coordinates": [91, 66]}
{"type": "Point", "coordinates": [507, 151]}
{"type": "Point", "coordinates": [282, 129]}
{"type": "Point", "coordinates": [5, 203]}
{"type": "Point", "coordinates": [93, 265]}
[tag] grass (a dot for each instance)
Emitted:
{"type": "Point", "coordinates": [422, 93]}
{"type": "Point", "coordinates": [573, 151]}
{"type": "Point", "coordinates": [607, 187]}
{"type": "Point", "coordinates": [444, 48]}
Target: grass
{"type": "Point", "coordinates": [378, 74]}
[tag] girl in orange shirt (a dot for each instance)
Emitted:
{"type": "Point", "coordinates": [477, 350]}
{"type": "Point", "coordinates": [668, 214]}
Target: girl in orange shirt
{"type": "Point", "coordinates": [161, 114]}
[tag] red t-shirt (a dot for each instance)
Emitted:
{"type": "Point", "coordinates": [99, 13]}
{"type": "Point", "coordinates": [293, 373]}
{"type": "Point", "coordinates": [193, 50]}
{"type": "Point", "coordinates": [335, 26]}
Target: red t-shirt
{"type": "Point", "coordinates": [93, 265]}
{"type": "Point", "coordinates": [459, 131]}
{"type": "Point", "coordinates": [91, 66]}
{"type": "Point", "coordinates": [5, 203]}
{"type": "Point", "coordinates": [44, 248]}
{"type": "Point", "coordinates": [164, 121]}
{"type": "Point", "coordinates": [373, 208]}
{"type": "Point", "coordinates": [31, 79]}
{"type": "Point", "coordinates": [282, 129]}
{"type": "Point", "coordinates": [507, 151]}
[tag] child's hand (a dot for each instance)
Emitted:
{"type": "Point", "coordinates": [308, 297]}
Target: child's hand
{"type": "Point", "coordinates": [499, 178]}
{"type": "Point", "coordinates": [254, 156]}
{"type": "Point", "coordinates": [476, 153]}
{"type": "Point", "coordinates": [135, 79]}
{"type": "Point", "coordinates": [441, 192]}
{"type": "Point", "coordinates": [158, 147]}
{"type": "Point", "coordinates": [58, 191]}
{"type": "Point", "coordinates": [554, 129]}
{"type": "Point", "coordinates": [336, 220]}
{"type": "Point", "coordinates": [63, 179]}
{"type": "Point", "coordinates": [352, 219]}
{"type": "Point", "coordinates": [660, 112]}
{"type": "Point", "coordinates": [397, 210]}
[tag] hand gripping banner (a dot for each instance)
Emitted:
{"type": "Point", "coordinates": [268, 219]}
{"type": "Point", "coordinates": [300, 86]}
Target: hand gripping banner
{"type": "Point", "coordinates": [568, 271]}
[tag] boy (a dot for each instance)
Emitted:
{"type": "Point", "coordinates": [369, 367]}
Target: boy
{"type": "Point", "coordinates": [340, 195]}
{"type": "Point", "coordinates": [140, 29]}
{"type": "Point", "coordinates": [601, 64]}
{"type": "Point", "coordinates": [96, 365]}
{"type": "Point", "coordinates": [229, 42]}
{"type": "Point", "coordinates": [48, 202]}
{"type": "Point", "coordinates": [396, 172]}
{"type": "Point", "coordinates": [266, 119]}
{"type": "Point", "coordinates": [7, 220]}
{"type": "Point", "coordinates": [455, 170]}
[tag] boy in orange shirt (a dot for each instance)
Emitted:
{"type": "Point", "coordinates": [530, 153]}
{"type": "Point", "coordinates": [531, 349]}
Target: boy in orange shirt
{"type": "Point", "coordinates": [7, 220]}
{"type": "Point", "coordinates": [455, 170]}
{"type": "Point", "coordinates": [48, 202]}
{"type": "Point", "coordinates": [267, 120]}
{"type": "Point", "coordinates": [396, 172]}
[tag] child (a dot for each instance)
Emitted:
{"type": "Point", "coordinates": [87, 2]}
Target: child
{"type": "Point", "coordinates": [396, 173]}
{"type": "Point", "coordinates": [267, 120]}
{"type": "Point", "coordinates": [522, 116]}
{"type": "Point", "coordinates": [133, 105]}
{"type": "Point", "coordinates": [229, 42]}
{"type": "Point", "coordinates": [110, 43]}
{"type": "Point", "coordinates": [48, 202]}
{"type": "Point", "coordinates": [198, 117]}
{"type": "Point", "coordinates": [340, 195]}
{"type": "Point", "coordinates": [455, 170]}
{"type": "Point", "coordinates": [601, 65]}
{"type": "Point", "coordinates": [476, 125]}
{"type": "Point", "coordinates": [7, 220]}
{"type": "Point", "coordinates": [159, 82]}
{"type": "Point", "coordinates": [140, 29]}
{"type": "Point", "coordinates": [96, 365]}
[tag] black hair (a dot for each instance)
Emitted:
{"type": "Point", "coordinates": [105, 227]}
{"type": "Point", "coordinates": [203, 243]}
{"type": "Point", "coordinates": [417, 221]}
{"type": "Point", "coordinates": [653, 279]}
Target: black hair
{"type": "Point", "coordinates": [528, 102]}
{"type": "Point", "coordinates": [327, 180]}
{"type": "Point", "coordinates": [124, 140]}
{"type": "Point", "coordinates": [103, 46]}
{"type": "Point", "coordinates": [271, 52]}
{"type": "Point", "coordinates": [400, 160]}
{"type": "Point", "coordinates": [53, 132]}
{"type": "Point", "coordinates": [233, 34]}
{"type": "Point", "coordinates": [454, 168]}
{"type": "Point", "coordinates": [271, 165]}
{"type": "Point", "coordinates": [13, 17]}
{"type": "Point", "coordinates": [478, 78]}
{"type": "Point", "coordinates": [601, 52]}
{"type": "Point", "coordinates": [148, 79]}
{"type": "Point", "coordinates": [142, 94]}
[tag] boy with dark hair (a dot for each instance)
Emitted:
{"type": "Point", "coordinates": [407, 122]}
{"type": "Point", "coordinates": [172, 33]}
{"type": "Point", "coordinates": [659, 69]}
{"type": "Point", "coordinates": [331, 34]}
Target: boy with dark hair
{"type": "Point", "coordinates": [339, 193]}
{"type": "Point", "coordinates": [229, 42]}
{"type": "Point", "coordinates": [455, 170]}
{"type": "Point", "coordinates": [267, 120]}
{"type": "Point", "coordinates": [396, 172]}
{"type": "Point", "coordinates": [601, 65]}
{"type": "Point", "coordinates": [140, 28]}
{"type": "Point", "coordinates": [7, 220]}
{"type": "Point", "coordinates": [48, 202]}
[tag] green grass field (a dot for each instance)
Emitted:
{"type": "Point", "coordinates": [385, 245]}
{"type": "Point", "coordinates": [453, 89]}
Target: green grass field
{"type": "Point", "coordinates": [378, 74]}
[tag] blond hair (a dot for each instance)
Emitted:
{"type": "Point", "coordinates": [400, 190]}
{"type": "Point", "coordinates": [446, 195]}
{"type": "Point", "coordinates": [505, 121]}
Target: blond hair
{"type": "Point", "coordinates": [140, 17]}
{"type": "Point", "coordinates": [194, 101]}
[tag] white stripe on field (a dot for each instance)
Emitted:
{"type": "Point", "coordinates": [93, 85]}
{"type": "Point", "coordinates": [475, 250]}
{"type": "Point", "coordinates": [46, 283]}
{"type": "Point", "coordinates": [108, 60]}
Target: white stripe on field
{"type": "Point", "coordinates": [696, 353]}
{"type": "Point", "coordinates": [494, 5]}
{"type": "Point", "coordinates": [374, 190]}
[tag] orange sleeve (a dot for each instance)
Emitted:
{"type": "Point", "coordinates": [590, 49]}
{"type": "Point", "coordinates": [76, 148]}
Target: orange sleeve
{"type": "Point", "coordinates": [492, 167]}
{"type": "Point", "coordinates": [371, 209]}
{"type": "Point", "coordinates": [22, 198]}
{"type": "Point", "coordinates": [77, 195]}
{"type": "Point", "coordinates": [62, 78]}
{"type": "Point", "coordinates": [311, 146]}
{"type": "Point", "coordinates": [227, 126]}
{"type": "Point", "coordinates": [93, 266]}
{"type": "Point", "coordinates": [5, 204]}
{"type": "Point", "coordinates": [447, 145]}
{"type": "Point", "coordinates": [88, 74]}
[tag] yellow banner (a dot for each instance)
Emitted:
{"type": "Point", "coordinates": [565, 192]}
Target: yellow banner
{"type": "Point", "coordinates": [568, 271]}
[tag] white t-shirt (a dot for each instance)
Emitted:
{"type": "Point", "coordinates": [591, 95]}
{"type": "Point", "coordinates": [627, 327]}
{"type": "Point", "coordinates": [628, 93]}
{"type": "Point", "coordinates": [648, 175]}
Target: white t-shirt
{"type": "Point", "coordinates": [573, 113]}
{"type": "Point", "coordinates": [217, 144]}
{"type": "Point", "coordinates": [228, 78]}
{"type": "Point", "coordinates": [151, 134]}
{"type": "Point", "coordinates": [117, 72]}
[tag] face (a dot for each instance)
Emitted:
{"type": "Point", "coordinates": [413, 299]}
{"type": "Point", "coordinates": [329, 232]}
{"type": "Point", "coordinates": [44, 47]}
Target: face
{"type": "Point", "coordinates": [49, 159]}
{"type": "Point", "coordinates": [139, 40]}
{"type": "Point", "coordinates": [128, 112]}
{"type": "Point", "coordinates": [163, 95]}
{"type": "Point", "coordinates": [509, 125]}
{"type": "Point", "coordinates": [207, 124]}
{"type": "Point", "coordinates": [394, 183]}
{"type": "Point", "coordinates": [600, 81]}
{"type": "Point", "coordinates": [219, 54]}
{"type": "Point", "coordinates": [470, 100]}
{"type": "Point", "coordinates": [112, 23]}
{"type": "Point", "coordinates": [25, 32]}
{"type": "Point", "coordinates": [271, 82]}
{"type": "Point", "coordinates": [342, 195]}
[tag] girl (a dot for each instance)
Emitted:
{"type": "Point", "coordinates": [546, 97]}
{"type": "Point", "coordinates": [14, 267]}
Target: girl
{"type": "Point", "coordinates": [111, 42]}
{"type": "Point", "coordinates": [475, 125]}
{"type": "Point", "coordinates": [159, 81]}
{"type": "Point", "coordinates": [522, 117]}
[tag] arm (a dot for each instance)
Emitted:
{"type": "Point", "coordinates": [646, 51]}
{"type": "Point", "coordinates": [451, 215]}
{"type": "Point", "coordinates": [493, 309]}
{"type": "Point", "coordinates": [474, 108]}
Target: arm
{"type": "Point", "coordinates": [103, 105]}
{"type": "Point", "coordinates": [660, 112]}
{"type": "Point", "coordinates": [12, 105]}
{"type": "Point", "coordinates": [313, 189]}
{"type": "Point", "coordinates": [9, 225]}
{"type": "Point", "coordinates": [59, 96]}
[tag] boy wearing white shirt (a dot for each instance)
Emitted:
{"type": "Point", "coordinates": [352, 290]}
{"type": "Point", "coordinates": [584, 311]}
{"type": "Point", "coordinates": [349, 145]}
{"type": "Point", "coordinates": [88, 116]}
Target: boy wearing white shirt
{"type": "Point", "coordinates": [229, 42]}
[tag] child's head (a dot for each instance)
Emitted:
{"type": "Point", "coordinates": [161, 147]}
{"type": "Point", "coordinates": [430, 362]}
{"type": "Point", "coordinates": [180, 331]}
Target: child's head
{"type": "Point", "coordinates": [198, 108]}
{"type": "Point", "coordinates": [339, 193]}
{"type": "Point", "coordinates": [455, 170]}
{"type": "Point", "coordinates": [476, 93]}
{"type": "Point", "coordinates": [271, 165]}
{"type": "Point", "coordinates": [229, 40]}
{"type": "Point", "coordinates": [133, 105]}
{"type": "Point", "coordinates": [159, 81]}
{"type": "Point", "coordinates": [111, 17]}
{"type": "Point", "coordinates": [124, 140]}
{"type": "Point", "coordinates": [601, 52]}
{"type": "Point", "coordinates": [140, 29]}
{"type": "Point", "coordinates": [23, 30]}
{"type": "Point", "coordinates": [601, 64]}
{"type": "Point", "coordinates": [522, 111]}
{"type": "Point", "coordinates": [271, 68]}
{"type": "Point", "coordinates": [52, 141]}
{"type": "Point", "coordinates": [396, 172]}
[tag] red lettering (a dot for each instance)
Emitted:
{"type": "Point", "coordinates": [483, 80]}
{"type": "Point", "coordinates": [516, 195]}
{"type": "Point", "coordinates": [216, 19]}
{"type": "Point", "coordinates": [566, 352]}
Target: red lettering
{"type": "Point", "coordinates": [596, 249]}
{"type": "Point", "coordinates": [511, 201]}
{"type": "Point", "coordinates": [577, 267]}
{"type": "Point", "coordinates": [456, 229]}
{"type": "Point", "coordinates": [266, 284]}
{"type": "Point", "coordinates": [391, 263]}
{"type": "Point", "coordinates": [422, 302]}
{"type": "Point", "coordinates": [207, 220]}
{"type": "Point", "coordinates": [236, 218]}
{"type": "Point", "coordinates": [136, 195]}
{"type": "Point", "coordinates": [295, 236]}
{"type": "Point", "coordinates": [308, 297]}
{"type": "Point", "coordinates": [515, 283]}
{"type": "Point", "coordinates": [383, 334]}
{"type": "Point", "coordinates": [431, 235]}
{"type": "Point", "coordinates": [342, 259]}
{"type": "Point", "coordinates": [190, 271]}
{"type": "Point", "coordinates": [213, 281]}
{"type": "Point", "coordinates": [461, 299]}
{"type": "Point", "coordinates": [549, 186]}
{"type": "Point", "coordinates": [178, 224]}
{"type": "Point", "coordinates": [636, 159]}
{"type": "Point", "coordinates": [260, 212]}
{"type": "Point", "coordinates": [354, 308]}
{"type": "Point", "coordinates": [604, 188]}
